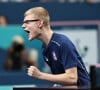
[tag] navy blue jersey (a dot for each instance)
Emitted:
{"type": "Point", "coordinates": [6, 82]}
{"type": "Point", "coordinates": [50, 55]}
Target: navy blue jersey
{"type": "Point", "coordinates": [61, 54]}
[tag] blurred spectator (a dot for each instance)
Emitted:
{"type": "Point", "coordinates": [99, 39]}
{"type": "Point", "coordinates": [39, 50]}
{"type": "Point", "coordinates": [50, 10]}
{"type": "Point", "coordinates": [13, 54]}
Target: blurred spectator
{"type": "Point", "coordinates": [33, 55]}
{"type": "Point", "coordinates": [61, 1]}
{"type": "Point", "coordinates": [3, 0]}
{"type": "Point", "coordinates": [17, 57]}
{"type": "Point", "coordinates": [11, 0]}
{"type": "Point", "coordinates": [47, 0]}
{"type": "Point", "coordinates": [3, 20]}
{"type": "Point", "coordinates": [87, 1]}
{"type": "Point", "coordinates": [74, 1]}
{"type": "Point", "coordinates": [93, 1]}
{"type": "Point", "coordinates": [19, 0]}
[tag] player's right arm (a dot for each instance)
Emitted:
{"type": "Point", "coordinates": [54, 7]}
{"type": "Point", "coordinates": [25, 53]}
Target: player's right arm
{"type": "Point", "coordinates": [67, 78]}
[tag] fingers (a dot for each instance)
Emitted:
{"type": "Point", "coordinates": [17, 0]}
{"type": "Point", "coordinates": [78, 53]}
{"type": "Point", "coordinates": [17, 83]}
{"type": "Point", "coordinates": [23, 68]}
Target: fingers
{"type": "Point", "coordinates": [31, 70]}
{"type": "Point", "coordinates": [34, 72]}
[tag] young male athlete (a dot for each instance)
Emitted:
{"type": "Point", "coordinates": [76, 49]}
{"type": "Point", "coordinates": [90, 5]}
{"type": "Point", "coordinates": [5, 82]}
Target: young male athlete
{"type": "Point", "coordinates": [58, 51]}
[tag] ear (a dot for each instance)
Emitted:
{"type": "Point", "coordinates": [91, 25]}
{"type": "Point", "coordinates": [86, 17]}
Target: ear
{"type": "Point", "coordinates": [40, 24]}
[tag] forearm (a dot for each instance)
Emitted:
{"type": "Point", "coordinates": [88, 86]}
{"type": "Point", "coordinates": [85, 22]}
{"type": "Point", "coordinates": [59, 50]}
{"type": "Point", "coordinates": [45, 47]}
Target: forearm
{"type": "Point", "coordinates": [63, 79]}
{"type": "Point", "coordinates": [67, 78]}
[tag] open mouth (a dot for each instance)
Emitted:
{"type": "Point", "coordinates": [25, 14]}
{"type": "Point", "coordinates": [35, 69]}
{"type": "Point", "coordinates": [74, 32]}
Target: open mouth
{"type": "Point", "coordinates": [27, 31]}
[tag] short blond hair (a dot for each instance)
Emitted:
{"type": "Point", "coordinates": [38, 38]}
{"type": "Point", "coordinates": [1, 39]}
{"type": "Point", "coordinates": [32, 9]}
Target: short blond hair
{"type": "Point", "coordinates": [39, 13]}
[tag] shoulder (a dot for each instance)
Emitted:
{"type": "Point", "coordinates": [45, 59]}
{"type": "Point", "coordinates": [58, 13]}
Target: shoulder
{"type": "Point", "coordinates": [62, 39]}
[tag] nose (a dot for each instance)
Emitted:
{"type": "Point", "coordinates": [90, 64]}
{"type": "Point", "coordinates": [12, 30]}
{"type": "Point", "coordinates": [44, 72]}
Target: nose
{"type": "Point", "coordinates": [23, 26]}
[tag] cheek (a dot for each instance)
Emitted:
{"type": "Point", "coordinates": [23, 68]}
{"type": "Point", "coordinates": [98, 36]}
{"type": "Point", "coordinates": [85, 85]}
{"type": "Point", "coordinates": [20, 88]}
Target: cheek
{"type": "Point", "coordinates": [34, 31]}
{"type": "Point", "coordinates": [32, 27]}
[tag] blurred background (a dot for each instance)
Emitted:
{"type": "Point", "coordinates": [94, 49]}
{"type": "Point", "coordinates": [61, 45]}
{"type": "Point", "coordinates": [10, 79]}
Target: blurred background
{"type": "Point", "coordinates": [77, 19]}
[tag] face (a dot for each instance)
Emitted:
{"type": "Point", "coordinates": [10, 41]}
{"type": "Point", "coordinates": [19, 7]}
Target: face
{"type": "Point", "coordinates": [31, 27]}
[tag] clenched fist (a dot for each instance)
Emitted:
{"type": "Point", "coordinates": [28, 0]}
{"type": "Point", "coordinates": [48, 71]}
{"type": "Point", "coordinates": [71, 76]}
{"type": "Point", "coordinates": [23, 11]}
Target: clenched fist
{"type": "Point", "coordinates": [34, 72]}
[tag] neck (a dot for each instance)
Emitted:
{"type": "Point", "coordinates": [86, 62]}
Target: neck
{"type": "Point", "coordinates": [46, 36]}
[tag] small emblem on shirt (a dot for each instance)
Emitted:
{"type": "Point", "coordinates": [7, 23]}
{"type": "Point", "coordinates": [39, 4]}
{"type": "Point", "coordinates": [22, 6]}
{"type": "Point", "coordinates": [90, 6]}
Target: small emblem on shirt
{"type": "Point", "coordinates": [54, 56]}
{"type": "Point", "coordinates": [46, 59]}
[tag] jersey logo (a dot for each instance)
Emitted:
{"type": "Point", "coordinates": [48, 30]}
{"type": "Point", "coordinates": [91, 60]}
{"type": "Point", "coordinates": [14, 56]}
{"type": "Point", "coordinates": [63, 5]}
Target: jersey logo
{"type": "Point", "coordinates": [54, 56]}
{"type": "Point", "coordinates": [46, 59]}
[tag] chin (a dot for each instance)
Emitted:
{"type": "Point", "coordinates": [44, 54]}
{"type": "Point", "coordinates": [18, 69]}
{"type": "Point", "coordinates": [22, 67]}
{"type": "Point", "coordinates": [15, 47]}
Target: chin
{"type": "Point", "coordinates": [30, 39]}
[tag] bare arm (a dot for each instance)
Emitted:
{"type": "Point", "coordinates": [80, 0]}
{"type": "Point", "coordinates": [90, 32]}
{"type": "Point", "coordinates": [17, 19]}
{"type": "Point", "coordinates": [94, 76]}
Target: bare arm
{"type": "Point", "coordinates": [67, 78]}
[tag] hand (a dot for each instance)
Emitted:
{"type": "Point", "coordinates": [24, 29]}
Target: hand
{"type": "Point", "coordinates": [34, 72]}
